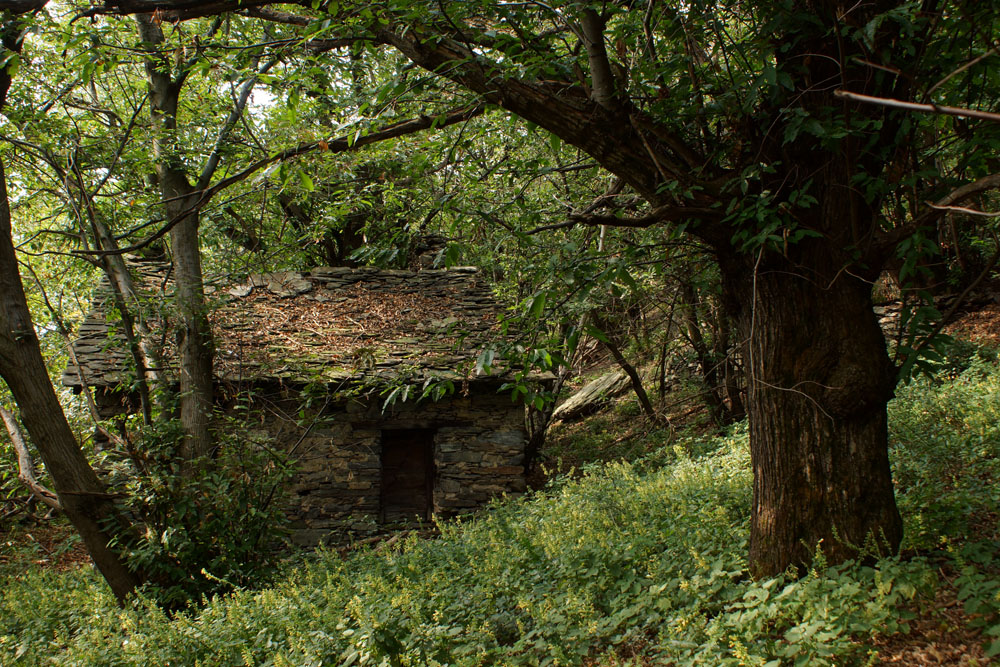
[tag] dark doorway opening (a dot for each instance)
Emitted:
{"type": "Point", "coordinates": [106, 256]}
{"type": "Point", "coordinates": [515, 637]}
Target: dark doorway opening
{"type": "Point", "coordinates": [407, 474]}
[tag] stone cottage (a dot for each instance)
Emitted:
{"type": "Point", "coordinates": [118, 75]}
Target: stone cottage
{"type": "Point", "coordinates": [320, 354]}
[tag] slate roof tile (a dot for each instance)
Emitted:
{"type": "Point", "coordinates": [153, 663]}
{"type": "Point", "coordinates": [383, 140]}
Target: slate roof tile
{"type": "Point", "coordinates": [328, 324]}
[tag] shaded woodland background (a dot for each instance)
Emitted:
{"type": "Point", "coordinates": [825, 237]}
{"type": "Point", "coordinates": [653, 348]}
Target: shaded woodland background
{"type": "Point", "coordinates": [757, 211]}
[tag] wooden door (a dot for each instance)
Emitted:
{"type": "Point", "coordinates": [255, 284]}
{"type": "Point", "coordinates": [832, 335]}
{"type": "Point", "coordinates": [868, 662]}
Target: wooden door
{"type": "Point", "coordinates": [407, 474]}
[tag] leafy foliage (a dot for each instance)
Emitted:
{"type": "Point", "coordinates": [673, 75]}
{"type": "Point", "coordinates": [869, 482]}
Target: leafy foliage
{"type": "Point", "coordinates": [212, 530]}
{"type": "Point", "coordinates": [645, 558]}
{"type": "Point", "coordinates": [946, 449]}
{"type": "Point", "coordinates": [713, 75]}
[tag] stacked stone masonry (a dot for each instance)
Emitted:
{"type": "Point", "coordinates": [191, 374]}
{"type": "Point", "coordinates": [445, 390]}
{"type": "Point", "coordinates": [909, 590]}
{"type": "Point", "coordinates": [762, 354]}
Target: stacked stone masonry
{"type": "Point", "coordinates": [478, 455]}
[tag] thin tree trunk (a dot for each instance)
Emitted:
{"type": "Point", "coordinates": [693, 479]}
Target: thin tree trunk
{"type": "Point", "coordinates": [138, 337]}
{"type": "Point", "coordinates": [623, 363]}
{"type": "Point", "coordinates": [145, 353]}
{"type": "Point", "coordinates": [723, 351]}
{"type": "Point", "coordinates": [706, 360]}
{"type": "Point", "coordinates": [194, 334]}
{"type": "Point", "coordinates": [817, 407]}
{"type": "Point", "coordinates": [194, 337]}
{"type": "Point", "coordinates": [25, 466]}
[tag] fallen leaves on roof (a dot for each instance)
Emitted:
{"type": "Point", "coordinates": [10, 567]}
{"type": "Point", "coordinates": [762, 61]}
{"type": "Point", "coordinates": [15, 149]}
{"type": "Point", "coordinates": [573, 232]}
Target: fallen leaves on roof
{"type": "Point", "coordinates": [332, 324]}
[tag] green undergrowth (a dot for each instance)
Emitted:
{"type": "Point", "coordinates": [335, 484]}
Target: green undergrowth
{"type": "Point", "coordinates": [629, 563]}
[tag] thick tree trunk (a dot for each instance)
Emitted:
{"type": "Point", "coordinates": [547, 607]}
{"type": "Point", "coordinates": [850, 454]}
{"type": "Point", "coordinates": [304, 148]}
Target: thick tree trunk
{"type": "Point", "coordinates": [81, 494]}
{"type": "Point", "coordinates": [819, 380]}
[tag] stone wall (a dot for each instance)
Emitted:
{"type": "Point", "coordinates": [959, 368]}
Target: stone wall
{"type": "Point", "coordinates": [478, 452]}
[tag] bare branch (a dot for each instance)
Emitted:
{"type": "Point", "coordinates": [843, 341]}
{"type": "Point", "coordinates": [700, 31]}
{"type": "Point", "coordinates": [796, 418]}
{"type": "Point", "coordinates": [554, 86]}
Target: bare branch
{"type": "Point", "coordinates": [923, 108]}
{"type": "Point", "coordinates": [991, 182]}
{"type": "Point", "coordinates": [887, 243]}
{"type": "Point", "coordinates": [346, 144]}
{"type": "Point", "coordinates": [962, 209]}
{"type": "Point", "coordinates": [25, 466]}
{"type": "Point", "coordinates": [961, 69]}
{"type": "Point", "coordinates": [885, 68]}
{"type": "Point", "coordinates": [212, 163]}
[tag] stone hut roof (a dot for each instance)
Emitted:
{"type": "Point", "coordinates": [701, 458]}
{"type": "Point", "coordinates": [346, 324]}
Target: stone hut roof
{"type": "Point", "coordinates": [330, 324]}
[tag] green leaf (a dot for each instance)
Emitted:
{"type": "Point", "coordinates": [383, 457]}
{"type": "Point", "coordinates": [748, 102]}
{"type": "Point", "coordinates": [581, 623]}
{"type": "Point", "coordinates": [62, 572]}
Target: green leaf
{"type": "Point", "coordinates": [597, 333]}
{"type": "Point", "coordinates": [770, 75]}
{"type": "Point", "coordinates": [537, 307]}
{"type": "Point", "coordinates": [484, 362]}
{"type": "Point", "coordinates": [555, 143]}
{"type": "Point", "coordinates": [306, 182]}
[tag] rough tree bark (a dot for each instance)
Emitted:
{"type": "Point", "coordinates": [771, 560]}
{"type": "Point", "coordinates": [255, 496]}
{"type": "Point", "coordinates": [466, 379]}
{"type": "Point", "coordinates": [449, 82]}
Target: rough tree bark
{"type": "Point", "coordinates": [817, 398]}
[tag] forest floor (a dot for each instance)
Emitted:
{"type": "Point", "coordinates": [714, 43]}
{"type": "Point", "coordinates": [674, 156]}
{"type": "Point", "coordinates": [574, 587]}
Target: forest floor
{"type": "Point", "coordinates": [42, 543]}
{"type": "Point", "coordinates": [939, 635]}
{"type": "Point", "coordinates": [942, 631]}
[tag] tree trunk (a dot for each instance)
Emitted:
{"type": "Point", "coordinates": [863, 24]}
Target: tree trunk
{"type": "Point", "coordinates": [630, 371]}
{"type": "Point", "coordinates": [819, 379]}
{"type": "Point", "coordinates": [25, 466]}
{"type": "Point", "coordinates": [194, 334]}
{"type": "Point", "coordinates": [81, 494]}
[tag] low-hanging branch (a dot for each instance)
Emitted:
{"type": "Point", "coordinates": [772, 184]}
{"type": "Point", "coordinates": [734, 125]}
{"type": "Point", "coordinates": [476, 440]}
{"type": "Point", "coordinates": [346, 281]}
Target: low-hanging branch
{"type": "Point", "coordinates": [963, 209]}
{"type": "Point", "coordinates": [345, 144]}
{"type": "Point", "coordinates": [949, 203]}
{"type": "Point", "coordinates": [171, 11]}
{"type": "Point", "coordinates": [22, 6]}
{"type": "Point", "coordinates": [338, 145]}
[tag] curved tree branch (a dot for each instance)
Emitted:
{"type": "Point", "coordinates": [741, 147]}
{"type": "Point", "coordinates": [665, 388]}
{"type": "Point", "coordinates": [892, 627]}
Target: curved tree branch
{"type": "Point", "coordinates": [180, 10]}
{"type": "Point", "coordinates": [602, 80]}
{"type": "Point", "coordinates": [25, 466]}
